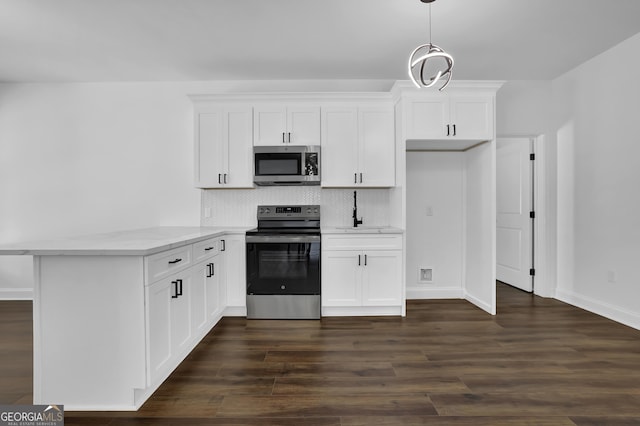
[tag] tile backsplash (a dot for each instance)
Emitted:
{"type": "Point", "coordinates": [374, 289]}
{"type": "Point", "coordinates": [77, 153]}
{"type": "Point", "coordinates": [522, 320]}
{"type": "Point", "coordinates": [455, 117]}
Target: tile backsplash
{"type": "Point", "coordinates": [237, 207]}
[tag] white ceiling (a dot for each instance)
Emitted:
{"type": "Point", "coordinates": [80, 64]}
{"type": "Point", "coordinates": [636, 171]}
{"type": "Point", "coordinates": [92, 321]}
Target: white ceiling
{"type": "Point", "coordinates": [140, 40]}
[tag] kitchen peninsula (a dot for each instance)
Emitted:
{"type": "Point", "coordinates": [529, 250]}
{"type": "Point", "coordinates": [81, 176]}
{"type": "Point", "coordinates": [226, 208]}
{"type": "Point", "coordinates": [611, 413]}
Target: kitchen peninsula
{"type": "Point", "coordinates": [115, 313]}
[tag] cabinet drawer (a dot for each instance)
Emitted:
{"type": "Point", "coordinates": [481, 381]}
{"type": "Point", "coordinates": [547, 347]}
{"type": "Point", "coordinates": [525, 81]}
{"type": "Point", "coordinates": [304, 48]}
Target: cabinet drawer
{"type": "Point", "coordinates": [167, 262]}
{"type": "Point", "coordinates": [205, 249]}
{"type": "Point", "coordinates": [362, 241]}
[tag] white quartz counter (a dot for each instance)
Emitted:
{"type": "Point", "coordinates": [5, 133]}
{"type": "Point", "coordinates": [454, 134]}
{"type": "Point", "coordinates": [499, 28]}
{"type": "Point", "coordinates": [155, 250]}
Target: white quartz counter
{"type": "Point", "coordinates": [362, 229]}
{"type": "Point", "coordinates": [137, 242]}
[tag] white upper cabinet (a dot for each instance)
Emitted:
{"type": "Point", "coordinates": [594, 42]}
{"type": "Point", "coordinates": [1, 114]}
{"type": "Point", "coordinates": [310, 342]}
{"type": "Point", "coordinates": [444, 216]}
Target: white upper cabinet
{"type": "Point", "coordinates": [277, 124]}
{"type": "Point", "coordinates": [358, 146]}
{"type": "Point", "coordinates": [455, 115]}
{"type": "Point", "coordinates": [223, 146]}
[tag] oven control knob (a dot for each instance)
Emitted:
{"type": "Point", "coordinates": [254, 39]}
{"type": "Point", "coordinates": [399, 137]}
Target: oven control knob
{"type": "Point", "coordinates": [282, 287]}
{"type": "Point", "coordinates": [308, 210]}
{"type": "Point", "coordinates": [267, 210]}
{"type": "Point", "coordinates": [261, 210]}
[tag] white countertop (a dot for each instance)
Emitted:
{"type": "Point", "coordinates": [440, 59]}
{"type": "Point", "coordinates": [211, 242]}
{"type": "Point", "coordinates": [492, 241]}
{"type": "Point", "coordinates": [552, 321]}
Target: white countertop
{"type": "Point", "coordinates": [136, 242]}
{"type": "Point", "coordinates": [361, 229]}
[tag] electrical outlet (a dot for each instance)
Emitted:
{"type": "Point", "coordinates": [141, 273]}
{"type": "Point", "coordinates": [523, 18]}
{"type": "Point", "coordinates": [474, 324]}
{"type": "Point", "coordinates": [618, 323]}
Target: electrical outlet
{"type": "Point", "coordinates": [425, 275]}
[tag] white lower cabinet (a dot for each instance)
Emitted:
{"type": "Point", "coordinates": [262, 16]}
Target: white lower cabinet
{"type": "Point", "coordinates": [170, 326]}
{"type": "Point", "coordinates": [182, 308]}
{"type": "Point", "coordinates": [233, 280]}
{"type": "Point", "coordinates": [363, 281]}
{"type": "Point", "coordinates": [215, 300]}
{"type": "Point", "coordinates": [126, 321]}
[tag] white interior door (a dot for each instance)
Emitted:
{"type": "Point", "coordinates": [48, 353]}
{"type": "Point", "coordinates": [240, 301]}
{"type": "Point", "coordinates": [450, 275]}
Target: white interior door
{"type": "Point", "coordinates": [514, 203]}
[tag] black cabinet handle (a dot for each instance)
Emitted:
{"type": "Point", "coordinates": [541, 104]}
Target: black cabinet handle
{"type": "Point", "coordinates": [355, 178]}
{"type": "Point", "coordinates": [289, 137]}
{"type": "Point", "coordinates": [175, 261]}
{"type": "Point", "coordinates": [225, 178]}
{"type": "Point", "coordinates": [454, 130]}
{"type": "Point", "coordinates": [208, 248]}
{"type": "Point", "coordinates": [219, 178]}
{"type": "Point", "coordinates": [179, 293]}
{"type": "Point", "coordinates": [209, 272]}
{"type": "Point", "coordinates": [224, 245]}
{"type": "Point", "coordinates": [213, 269]}
{"type": "Point", "coordinates": [448, 130]}
{"type": "Point", "coordinates": [360, 177]}
{"type": "Point", "coordinates": [365, 260]}
{"type": "Point", "coordinates": [283, 138]}
{"type": "Point", "coordinates": [175, 295]}
{"type": "Point", "coordinates": [358, 260]}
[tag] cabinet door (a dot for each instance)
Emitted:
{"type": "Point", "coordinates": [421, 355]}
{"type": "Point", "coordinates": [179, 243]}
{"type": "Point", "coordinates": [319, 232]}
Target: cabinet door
{"type": "Point", "coordinates": [211, 157]}
{"type": "Point", "coordinates": [213, 294]}
{"type": "Point", "coordinates": [377, 146]}
{"type": "Point", "coordinates": [197, 295]}
{"type": "Point", "coordinates": [270, 125]}
{"type": "Point", "coordinates": [158, 303]}
{"type": "Point", "coordinates": [382, 278]}
{"type": "Point", "coordinates": [473, 117]}
{"type": "Point", "coordinates": [180, 312]}
{"type": "Point", "coordinates": [428, 118]}
{"type": "Point", "coordinates": [339, 146]}
{"type": "Point", "coordinates": [234, 274]}
{"type": "Point", "coordinates": [341, 278]}
{"type": "Point", "coordinates": [303, 125]}
{"type": "Point", "coordinates": [237, 132]}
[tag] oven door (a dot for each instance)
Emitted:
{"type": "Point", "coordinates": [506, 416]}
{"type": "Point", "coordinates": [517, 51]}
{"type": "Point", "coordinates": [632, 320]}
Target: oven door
{"type": "Point", "coordinates": [283, 265]}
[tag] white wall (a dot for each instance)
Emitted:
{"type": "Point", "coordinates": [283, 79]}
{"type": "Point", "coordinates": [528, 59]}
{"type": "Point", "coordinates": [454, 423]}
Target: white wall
{"type": "Point", "coordinates": [435, 185]}
{"type": "Point", "coordinates": [93, 157]}
{"type": "Point", "coordinates": [525, 108]}
{"type": "Point", "coordinates": [597, 109]}
{"type": "Point", "coordinates": [85, 158]}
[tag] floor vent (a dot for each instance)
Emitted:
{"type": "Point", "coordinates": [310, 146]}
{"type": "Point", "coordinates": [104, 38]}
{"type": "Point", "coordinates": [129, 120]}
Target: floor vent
{"type": "Point", "coordinates": [425, 275]}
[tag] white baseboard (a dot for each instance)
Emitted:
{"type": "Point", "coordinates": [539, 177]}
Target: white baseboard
{"type": "Point", "coordinates": [16, 294]}
{"type": "Point", "coordinates": [235, 311]}
{"type": "Point", "coordinates": [615, 313]}
{"type": "Point", "coordinates": [479, 303]}
{"type": "Point", "coordinates": [424, 292]}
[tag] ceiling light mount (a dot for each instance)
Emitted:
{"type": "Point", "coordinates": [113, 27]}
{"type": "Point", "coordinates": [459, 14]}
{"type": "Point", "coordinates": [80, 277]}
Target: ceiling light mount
{"type": "Point", "coordinates": [427, 54]}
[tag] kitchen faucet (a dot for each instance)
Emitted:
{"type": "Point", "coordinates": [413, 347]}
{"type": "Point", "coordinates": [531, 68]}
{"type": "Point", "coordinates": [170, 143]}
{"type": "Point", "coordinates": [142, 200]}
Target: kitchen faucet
{"type": "Point", "coordinates": [356, 222]}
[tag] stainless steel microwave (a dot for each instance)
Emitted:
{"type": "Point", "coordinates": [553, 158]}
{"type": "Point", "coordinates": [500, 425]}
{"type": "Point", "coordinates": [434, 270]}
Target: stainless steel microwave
{"type": "Point", "coordinates": [286, 165]}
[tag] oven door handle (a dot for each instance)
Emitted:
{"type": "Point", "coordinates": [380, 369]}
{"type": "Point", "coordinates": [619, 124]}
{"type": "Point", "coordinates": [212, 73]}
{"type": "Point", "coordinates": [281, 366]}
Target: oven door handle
{"type": "Point", "coordinates": [282, 238]}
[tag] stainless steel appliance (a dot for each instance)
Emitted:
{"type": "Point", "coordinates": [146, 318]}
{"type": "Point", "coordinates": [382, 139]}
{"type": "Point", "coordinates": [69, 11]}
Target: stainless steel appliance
{"type": "Point", "coordinates": [283, 263]}
{"type": "Point", "coordinates": [286, 165]}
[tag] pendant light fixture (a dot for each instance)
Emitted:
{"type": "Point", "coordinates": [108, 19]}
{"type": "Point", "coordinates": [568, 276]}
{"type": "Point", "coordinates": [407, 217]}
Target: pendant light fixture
{"type": "Point", "coordinates": [433, 54]}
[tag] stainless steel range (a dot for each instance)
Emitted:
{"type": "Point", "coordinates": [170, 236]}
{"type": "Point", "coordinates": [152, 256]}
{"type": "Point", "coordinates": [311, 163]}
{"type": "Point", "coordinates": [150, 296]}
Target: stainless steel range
{"type": "Point", "coordinates": [283, 263]}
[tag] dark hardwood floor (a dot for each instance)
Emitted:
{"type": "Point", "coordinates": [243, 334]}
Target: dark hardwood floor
{"type": "Point", "coordinates": [538, 362]}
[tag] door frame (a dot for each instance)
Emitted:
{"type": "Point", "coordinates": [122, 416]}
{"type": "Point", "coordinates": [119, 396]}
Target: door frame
{"type": "Point", "coordinates": [542, 285]}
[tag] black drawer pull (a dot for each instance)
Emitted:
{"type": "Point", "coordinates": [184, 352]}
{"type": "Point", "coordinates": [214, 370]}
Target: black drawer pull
{"type": "Point", "coordinates": [224, 245]}
{"type": "Point", "coordinates": [175, 295]}
{"type": "Point", "coordinates": [208, 248]}
{"type": "Point", "coordinates": [175, 261]}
